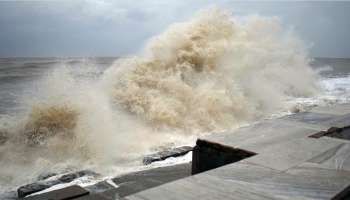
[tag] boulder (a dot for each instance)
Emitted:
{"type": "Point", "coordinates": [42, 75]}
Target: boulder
{"type": "Point", "coordinates": [43, 183]}
{"type": "Point", "coordinates": [34, 187]}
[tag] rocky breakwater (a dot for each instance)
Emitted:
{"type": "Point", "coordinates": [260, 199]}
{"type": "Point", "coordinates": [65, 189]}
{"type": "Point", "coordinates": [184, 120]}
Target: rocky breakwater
{"type": "Point", "coordinates": [46, 181]}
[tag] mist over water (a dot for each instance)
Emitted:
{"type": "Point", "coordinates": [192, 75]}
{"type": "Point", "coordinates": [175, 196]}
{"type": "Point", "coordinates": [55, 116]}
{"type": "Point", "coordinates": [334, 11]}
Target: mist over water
{"type": "Point", "coordinates": [214, 72]}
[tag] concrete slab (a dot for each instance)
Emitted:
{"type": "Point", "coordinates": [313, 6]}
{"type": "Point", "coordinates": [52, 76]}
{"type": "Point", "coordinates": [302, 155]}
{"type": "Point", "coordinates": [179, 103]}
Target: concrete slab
{"type": "Point", "coordinates": [318, 121]}
{"type": "Point", "coordinates": [242, 171]}
{"type": "Point", "coordinates": [70, 192]}
{"type": "Point", "coordinates": [244, 180]}
{"type": "Point", "coordinates": [289, 154]}
{"type": "Point", "coordinates": [337, 158]}
{"type": "Point", "coordinates": [281, 135]}
{"type": "Point", "coordinates": [302, 186]}
{"type": "Point", "coordinates": [313, 126]}
{"type": "Point", "coordinates": [93, 197]}
{"type": "Point", "coordinates": [309, 181]}
{"type": "Point", "coordinates": [260, 136]}
{"type": "Point", "coordinates": [111, 194]}
{"type": "Point", "coordinates": [323, 117]}
{"type": "Point", "coordinates": [321, 172]}
{"type": "Point", "coordinates": [341, 121]}
{"type": "Point", "coordinates": [138, 181]}
{"type": "Point", "coordinates": [288, 164]}
{"type": "Point", "coordinates": [301, 182]}
{"type": "Point", "coordinates": [204, 187]}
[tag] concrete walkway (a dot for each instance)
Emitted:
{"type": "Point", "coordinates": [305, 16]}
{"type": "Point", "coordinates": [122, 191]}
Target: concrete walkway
{"type": "Point", "coordinates": [288, 163]}
{"type": "Point", "coordinates": [284, 163]}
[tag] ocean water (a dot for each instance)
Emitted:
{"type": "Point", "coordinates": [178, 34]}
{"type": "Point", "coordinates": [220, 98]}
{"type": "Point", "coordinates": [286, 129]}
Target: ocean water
{"type": "Point", "coordinates": [19, 78]}
{"type": "Point", "coordinates": [212, 73]}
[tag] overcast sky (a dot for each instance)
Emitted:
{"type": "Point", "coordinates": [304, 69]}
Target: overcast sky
{"type": "Point", "coordinates": [121, 27]}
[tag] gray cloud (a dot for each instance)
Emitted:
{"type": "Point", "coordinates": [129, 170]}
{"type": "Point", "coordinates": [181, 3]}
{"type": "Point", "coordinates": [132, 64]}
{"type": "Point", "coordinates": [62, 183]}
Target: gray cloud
{"type": "Point", "coordinates": [113, 28]}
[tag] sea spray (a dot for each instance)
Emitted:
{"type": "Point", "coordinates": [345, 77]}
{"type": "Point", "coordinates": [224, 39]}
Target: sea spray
{"type": "Point", "coordinates": [211, 73]}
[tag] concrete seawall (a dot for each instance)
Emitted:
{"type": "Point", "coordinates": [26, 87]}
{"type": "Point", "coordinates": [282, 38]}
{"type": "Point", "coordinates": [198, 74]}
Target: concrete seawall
{"type": "Point", "coordinates": [300, 156]}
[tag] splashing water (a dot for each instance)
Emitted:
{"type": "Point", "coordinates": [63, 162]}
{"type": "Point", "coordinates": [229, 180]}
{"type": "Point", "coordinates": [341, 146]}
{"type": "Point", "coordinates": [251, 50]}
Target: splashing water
{"type": "Point", "coordinates": [211, 73]}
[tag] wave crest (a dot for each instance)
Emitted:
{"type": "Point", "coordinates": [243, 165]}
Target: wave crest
{"type": "Point", "coordinates": [214, 72]}
{"type": "Point", "coordinates": [50, 120]}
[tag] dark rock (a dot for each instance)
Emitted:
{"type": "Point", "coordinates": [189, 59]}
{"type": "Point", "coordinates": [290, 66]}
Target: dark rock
{"type": "Point", "coordinates": [175, 152]}
{"type": "Point", "coordinates": [45, 176]}
{"type": "Point", "coordinates": [68, 177]}
{"type": "Point", "coordinates": [44, 184]}
{"type": "Point", "coordinates": [71, 176]}
{"type": "Point", "coordinates": [32, 188]}
{"type": "Point", "coordinates": [208, 155]}
{"type": "Point", "coordinates": [70, 192]}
